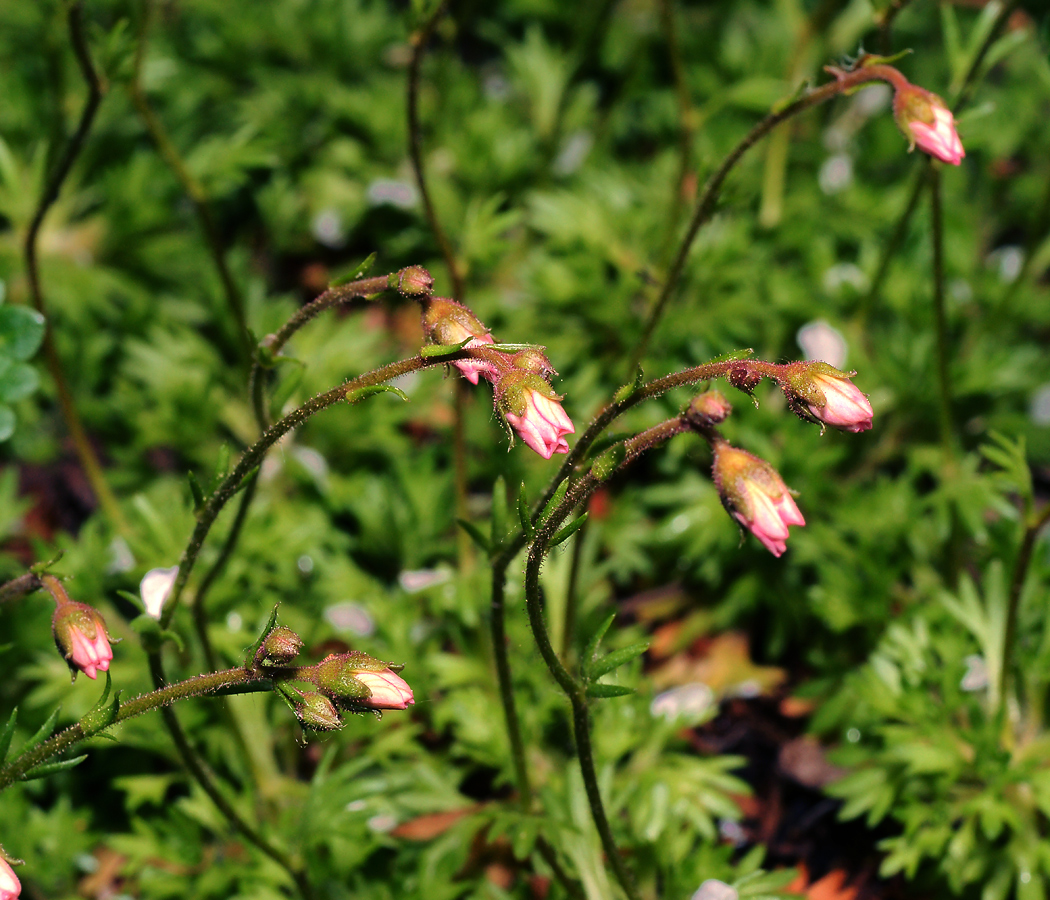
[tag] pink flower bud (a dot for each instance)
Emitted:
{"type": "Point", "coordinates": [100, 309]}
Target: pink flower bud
{"type": "Point", "coordinates": [926, 120]}
{"type": "Point", "coordinates": [707, 409]}
{"type": "Point", "coordinates": [819, 392]}
{"type": "Point", "coordinates": [531, 408]}
{"type": "Point", "coordinates": [448, 322]}
{"type": "Point", "coordinates": [80, 634]}
{"type": "Point", "coordinates": [356, 680]}
{"type": "Point", "coordinates": [10, 886]}
{"type": "Point", "coordinates": [753, 492]}
{"type": "Point", "coordinates": [282, 645]}
{"type": "Point", "coordinates": [413, 281]}
{"type": "Point", "coordinates": [388, 690]}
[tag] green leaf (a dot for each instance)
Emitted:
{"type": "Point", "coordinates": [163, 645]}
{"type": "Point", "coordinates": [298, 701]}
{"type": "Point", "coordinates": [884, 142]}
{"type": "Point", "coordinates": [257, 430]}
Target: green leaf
{"type": "Point", "coordinates": [251, 652]}
{"type": "Point", "coordinates": [609, 462]}
{"type": "Point", "coordinates": [359, 394]}
{"type": "Point", "coordinates": [6, 733]}
{"type": "Point", "coordinates": [51, 768]}
{"type": "Point", "coordinates": [17, 380]}
{"type": "Point", "coordinates": [288, 385]}
{"type": "Point", "coordinates": [476, 534]}
{"type": "Point", "coordinates": [567, 531]}
{"type": "Point", "coordinates": [7, 422]}
{"type": "Point", "coordinates": [44, 733]}
{"type": "Point", "coordinates": [596, 639]}
{"type": "Point", "coordinates": [615, 659]}
{"type": "Point", "coordinates": [196, 492]}
{"type": "Point", "coordinates": [21, 331]}
{"type": "Point", "coordinates": [153, 636]}
{"type": "Point", "coordinates": [607, 691]}
{"type": "Point", "coordinates": [358, 271]}
{"type": "Point", "coordinates": [437, 350]}
{"type": "Point", "coordinates": [555, 500]}
{"type": "Point", "coordinates": [628, 390]}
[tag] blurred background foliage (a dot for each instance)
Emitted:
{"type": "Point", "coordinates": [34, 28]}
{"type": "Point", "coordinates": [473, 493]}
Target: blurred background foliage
{"type": "Point", "coordinates": [564, 144]}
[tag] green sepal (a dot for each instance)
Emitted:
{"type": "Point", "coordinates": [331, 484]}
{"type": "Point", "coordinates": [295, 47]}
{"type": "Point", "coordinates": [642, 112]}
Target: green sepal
{"type": "Point", "coordinates": [51, 768]}
{"type": "Point", "coordinates": [222, 465]}
{"type": "Point", "coordinates": [361, 393]}
{"type": "Point", "coordinates": [628, 390]}
{"type": "Point", "coordinates": [104, 713]}
{"type": "Point", "coordinates": [6, 733]}
{"type": "Point", "coordinates": [607, 691]}
{"type": "Point", "coordinates": [196, 492]}
{"type": "Point", "coordinates": [432, 350]}
{"type": "Point", "coordinates": [476, 535]}
{"type": "Point", "coordinates": [251, 652]}
{"type": "Point", "coordinates": [152, 636]}
{"type": "Point", "coordinates": [499, 511]}
{"type": "Point", "coordinates": [615, 659]}
{"type": "Point", "coordinates": [873, 60]}
{"type": "Point", "coordinates": [523, 514]}
{"type": "Point", "coordinates": [567, 531]}
{"type": "Point", "coordinates": [596, 639]}
{"type": "Point", "coordinates": [44, 733]}
{"type": "Point", "coordinates": [358, 271]}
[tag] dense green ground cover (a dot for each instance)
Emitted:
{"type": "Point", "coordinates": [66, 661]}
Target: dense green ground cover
{"type": "Point", "coordinates": [244, 155]}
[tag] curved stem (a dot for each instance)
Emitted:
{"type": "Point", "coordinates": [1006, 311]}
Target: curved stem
{"type": "Point", "coordinates": [709, 196]}
{"type": "Point", "coordinates": [193, 188]}
{"type": "Point", "coordinates": [253, 457]}
{"type": "Point", "coordinates": [1024, 558]}
{"type": "Point", "coordinates": [85, 452]}
{"type": "Point", "coordinates": [197, 686]}
{"type": "Point", "coordinates": [889, 251]}
{"type": "Point", "coordinates": [18, 587]}
{"type": "Point", "coordinates": [415, 149]}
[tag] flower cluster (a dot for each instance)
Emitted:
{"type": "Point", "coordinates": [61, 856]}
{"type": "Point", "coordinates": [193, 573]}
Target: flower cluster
{"type": "Point", "coordinates": [521, 380]}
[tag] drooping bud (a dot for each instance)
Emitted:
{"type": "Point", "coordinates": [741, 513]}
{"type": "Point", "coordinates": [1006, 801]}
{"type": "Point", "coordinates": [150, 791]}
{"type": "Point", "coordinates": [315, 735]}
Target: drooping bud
{"type": "Point", "coordinates": [10, 886]}
{"type": "Point", "coordinates": [317, 712]}
{"type": "Point", "coordinates": [532, 409]}
{"type": "Point", "coordinates": [80, 632]}
{"type": "Point", "coordinates": [448, 323]}
{"type": "Point", "coordinates": [753, 492]}
{"type": "Point", "coordinates": [743, 379]}
{"type": "Point", "coordinates": [707, 409]}
{"type": "Point", "coordinates": [413, 281]}
{"type": "Point", "coordinates": [356, 680]}
{"type": "Point", "coordinates": [282, 645]}
{"type": "Point", "coordinates": [819, 392]}
{"type": "Point", "coordinates": [925, 119]}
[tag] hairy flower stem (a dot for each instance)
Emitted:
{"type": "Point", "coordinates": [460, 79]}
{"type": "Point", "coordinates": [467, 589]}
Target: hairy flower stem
{"type": "Point", "coordinates": [193, 188]}
{"type": "Point", "coordinates": [705, 206]}
{"type": "Point", "coordinates": [252, 457]}
{"type": "Point", "coordinates": [198, 686]}
{"type": "Point", "coordinates": [1033, 525]}
{"type": "Point", "coordinates": [18, 587]}
{"type": "Point", "coordinates": [944, 386]}
{"type": "Point", "coordinates": [85, 452]}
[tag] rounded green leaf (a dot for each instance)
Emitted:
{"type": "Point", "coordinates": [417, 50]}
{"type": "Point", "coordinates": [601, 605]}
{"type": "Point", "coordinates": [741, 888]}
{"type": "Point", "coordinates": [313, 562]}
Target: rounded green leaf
{"type": "Point", "coordinates": [17, 381]}
{"type": "Point", "coordinates": [21, 331]}
{"type": "Point", "coordinates": [7, 422]}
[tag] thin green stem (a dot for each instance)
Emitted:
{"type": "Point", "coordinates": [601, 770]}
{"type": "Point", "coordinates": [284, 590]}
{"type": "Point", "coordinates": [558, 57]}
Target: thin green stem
{"type": "Point", "coordinates": [1033, 526]}
{"type": "Point", "coordinates": [193, 188]}
{"type": "Point", "coordinates": [419, 40]}
{"type": "Point", "coordinates": [944, 386]}
{"type": "Point", "coordinates": [253, 456]}
{"type": "Point", "coordinates": [686, 117]}
{"type": "Point", "coordinates": [198, 686]}
{"type": "Point", "coordinates": [572, 593]}
{"type": "Point", "coordinates": [85, 452]}
{"type": "Point", "coordinates": [709, 196]}
{"type": "Point", "coordinates": [889, 251]}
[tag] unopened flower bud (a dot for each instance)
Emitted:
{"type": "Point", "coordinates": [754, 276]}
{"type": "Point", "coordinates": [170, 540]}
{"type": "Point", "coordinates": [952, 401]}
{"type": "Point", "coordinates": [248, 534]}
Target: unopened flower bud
{"type": "Point", "coordinates": [925, 119]}
{"type": "Point", "coordinates": [448, 323]}
{"type": "Point", "coordinates": [10, 886]}
{"type": "Point", "coordinates": [282, 645]}
{"type": "Point", "coordinates": [359, 681]}
{"type": "Point", "coordinates": [753, 492]}
{"type": "Point", "coordinates": [534, 361]}
{"type": "Point", "coordinates": [532, 409]}
{"type": "Point", "coordinates": [413, 281]}
{"type": "Point", "coordinates": [317, 712]}
{"type": "Point", "coordinates": [707, 409]}
{"type": "Point", "coordinates": [819, 392]}
{"type": "Point", "coordinates": [80, 632]}
{"type": "Point", "coordinates": [743, 379]}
